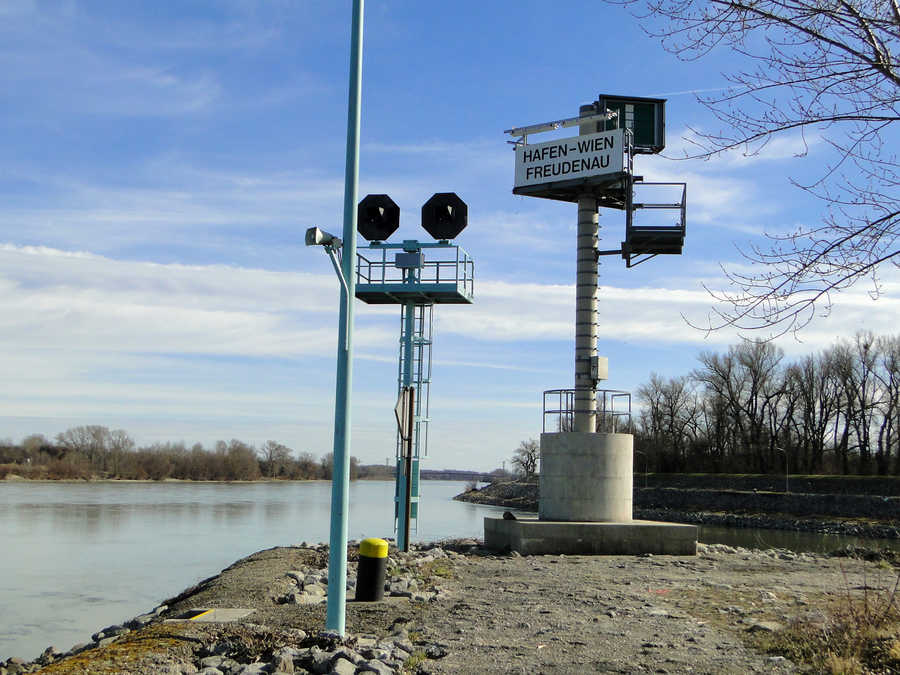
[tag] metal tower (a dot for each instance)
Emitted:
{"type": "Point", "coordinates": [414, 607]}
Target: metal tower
{"type": "Point", "coordinates": [415, 275]}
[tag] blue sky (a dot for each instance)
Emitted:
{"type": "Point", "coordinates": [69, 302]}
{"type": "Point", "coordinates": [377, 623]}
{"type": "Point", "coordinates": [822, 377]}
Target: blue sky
{"type": "Point", "coordinates": [161, 162]}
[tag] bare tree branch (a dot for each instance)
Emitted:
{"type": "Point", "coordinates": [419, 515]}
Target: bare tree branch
{"type": "Point", "coordinates": [824, 65]}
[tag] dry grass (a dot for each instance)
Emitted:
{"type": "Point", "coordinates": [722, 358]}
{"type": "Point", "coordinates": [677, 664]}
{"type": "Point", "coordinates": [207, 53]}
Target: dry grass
{"type": "Point", "coordinates": [860, 633]}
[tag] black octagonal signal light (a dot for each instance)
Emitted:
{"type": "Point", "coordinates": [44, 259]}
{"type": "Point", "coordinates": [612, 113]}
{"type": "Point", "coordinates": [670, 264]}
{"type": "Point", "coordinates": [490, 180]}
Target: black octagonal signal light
{"type": "Point", "coordinates": [445, 215]}
{"type": "Point", "coordinates": [377, 217]}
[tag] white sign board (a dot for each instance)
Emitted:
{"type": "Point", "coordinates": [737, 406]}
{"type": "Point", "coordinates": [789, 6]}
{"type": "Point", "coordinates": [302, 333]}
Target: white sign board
{"type": "Point", "coordinates": [570, 158]}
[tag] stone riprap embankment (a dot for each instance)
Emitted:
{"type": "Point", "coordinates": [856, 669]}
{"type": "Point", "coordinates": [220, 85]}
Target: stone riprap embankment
{"type": "Point", "coordinates": [712, 613]}
{"type": "Point", "coordinates": [887, 486]}
{"type": "Point", "coordinates": [251, 648]}
{"type": "Point", "coordinates": [854, 515]}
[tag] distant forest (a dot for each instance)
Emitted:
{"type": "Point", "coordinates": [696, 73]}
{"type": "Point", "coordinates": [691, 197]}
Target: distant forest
{"type": "Point", "coordinates": [749, 410]}
{"type": "Point", "coordinates": [87, 452]}
{"type": "Point", "coordinates": [98, 452]}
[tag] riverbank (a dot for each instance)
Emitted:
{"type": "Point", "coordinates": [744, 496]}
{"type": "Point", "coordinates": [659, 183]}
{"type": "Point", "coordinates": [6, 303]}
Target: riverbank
{"type": "Point", "coordinates": [869, 516]}
{"type": "Point", "coordinates": [456, 608]}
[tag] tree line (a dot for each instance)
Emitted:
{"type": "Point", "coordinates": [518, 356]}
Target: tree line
{"type": "Point", "coordinates": [94, 451]}
{"type": "Point", "coordinates": [751, 410]}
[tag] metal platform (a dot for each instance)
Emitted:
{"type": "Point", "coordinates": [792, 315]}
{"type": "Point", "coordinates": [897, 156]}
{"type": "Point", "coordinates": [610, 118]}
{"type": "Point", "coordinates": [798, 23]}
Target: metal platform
{"type": "Point", "coordinates": [444, 274]}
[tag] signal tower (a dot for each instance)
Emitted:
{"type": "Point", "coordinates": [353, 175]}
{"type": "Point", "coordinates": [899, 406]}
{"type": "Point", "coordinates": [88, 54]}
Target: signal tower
{"type": "Point", "coordinates": [415, 275]}
{"type": "Point", "coordinates": [586, 476]}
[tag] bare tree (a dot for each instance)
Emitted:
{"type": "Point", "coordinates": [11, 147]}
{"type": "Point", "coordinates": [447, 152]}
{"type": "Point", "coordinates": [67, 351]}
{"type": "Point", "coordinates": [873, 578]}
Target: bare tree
{"type": "Point", "coordinates": [889, 376]}
{"type": "Point", "coordinates": [827, 68]}
{"type": "Point", "coordinates": [275, 457]}
{"type": "Point", "coordinates": [525, 458]}
{"type": "Point", "coordinates": [748, 381]}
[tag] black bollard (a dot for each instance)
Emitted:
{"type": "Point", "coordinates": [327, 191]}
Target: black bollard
{"type": "Point", "coordinates": [372, 568]}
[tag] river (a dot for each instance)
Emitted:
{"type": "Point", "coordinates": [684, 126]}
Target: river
{"type": "Point", "coordinates": [80, 556]}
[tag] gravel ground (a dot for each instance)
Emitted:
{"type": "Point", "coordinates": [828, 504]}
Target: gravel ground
{"type": "Point", "coordinates": [458, 609]}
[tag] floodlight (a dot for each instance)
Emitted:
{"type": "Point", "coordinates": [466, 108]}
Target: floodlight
{"type": "Point", "coordinates": [445, 215]}
{"type": "Point", "coordinates": [377, 217]}
{"type": "Point", "coordinates": [317, 237]}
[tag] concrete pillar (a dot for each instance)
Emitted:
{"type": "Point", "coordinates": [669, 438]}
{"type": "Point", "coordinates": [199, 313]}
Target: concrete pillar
{"type": "Point", "coordinates": [586, 477]}
{"type": "Point", "coordinates": [586, 296]}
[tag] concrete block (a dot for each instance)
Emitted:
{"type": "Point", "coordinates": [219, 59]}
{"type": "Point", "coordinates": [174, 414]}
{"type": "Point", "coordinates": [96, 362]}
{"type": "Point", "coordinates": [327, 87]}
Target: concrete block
{"type": "Point", "coordinates": [542, 537]}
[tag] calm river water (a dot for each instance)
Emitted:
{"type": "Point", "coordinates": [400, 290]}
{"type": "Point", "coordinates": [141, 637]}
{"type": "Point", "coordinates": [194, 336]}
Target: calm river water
{"type": "Point", "coordinates": [76, 557]}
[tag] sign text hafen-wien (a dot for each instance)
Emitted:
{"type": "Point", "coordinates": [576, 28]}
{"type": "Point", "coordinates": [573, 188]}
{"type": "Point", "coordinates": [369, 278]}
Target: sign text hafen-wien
{"type": "Point", "coordinates": [570, 158]}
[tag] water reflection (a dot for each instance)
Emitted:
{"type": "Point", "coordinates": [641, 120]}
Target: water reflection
{"type": "Point", "coordinates": [92, 554]}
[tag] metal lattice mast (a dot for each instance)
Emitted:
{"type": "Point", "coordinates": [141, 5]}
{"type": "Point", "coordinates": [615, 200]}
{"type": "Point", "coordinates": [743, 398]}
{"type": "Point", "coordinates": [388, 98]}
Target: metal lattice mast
{"type": "Point", "coordinates": [416, 325]}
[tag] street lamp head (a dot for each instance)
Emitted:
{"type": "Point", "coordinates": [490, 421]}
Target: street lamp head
{"type": "Point", "coordinates": [317, 237]}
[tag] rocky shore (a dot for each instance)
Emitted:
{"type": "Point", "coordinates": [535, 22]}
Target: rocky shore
{"type": "Point", "coordinates": [724, 509]}
{"type": "Point", "coordinates": [457, 608]}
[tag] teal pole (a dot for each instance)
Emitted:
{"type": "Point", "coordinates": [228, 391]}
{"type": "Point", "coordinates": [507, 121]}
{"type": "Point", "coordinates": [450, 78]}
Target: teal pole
{"type": "Point", "coordinates": [340, 475]}
{"type": "Point", "coordinates": [404, 477]}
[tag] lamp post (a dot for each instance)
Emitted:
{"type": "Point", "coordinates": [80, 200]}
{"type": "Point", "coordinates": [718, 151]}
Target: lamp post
{"type": "Point", "coordinates": [787, 472]}
{"type": "Point", "coordinates": [340, 473]}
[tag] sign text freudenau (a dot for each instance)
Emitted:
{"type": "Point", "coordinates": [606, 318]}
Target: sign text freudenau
{"type": "Point", "coordinates": [570, 158]}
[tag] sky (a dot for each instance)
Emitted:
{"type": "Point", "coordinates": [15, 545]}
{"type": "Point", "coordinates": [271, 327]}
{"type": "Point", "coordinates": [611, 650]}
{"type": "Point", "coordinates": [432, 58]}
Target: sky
{"type": "Point", "coordinates": [162, 161]}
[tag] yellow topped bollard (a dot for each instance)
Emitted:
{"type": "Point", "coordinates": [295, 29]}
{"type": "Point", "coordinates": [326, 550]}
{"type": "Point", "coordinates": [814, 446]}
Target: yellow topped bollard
{"type": "Point", "coordinates": [372, 568]}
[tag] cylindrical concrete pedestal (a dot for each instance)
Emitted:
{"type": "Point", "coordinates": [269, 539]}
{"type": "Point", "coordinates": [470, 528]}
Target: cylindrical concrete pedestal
{"type": "Point", "coordinates": [586, 477]}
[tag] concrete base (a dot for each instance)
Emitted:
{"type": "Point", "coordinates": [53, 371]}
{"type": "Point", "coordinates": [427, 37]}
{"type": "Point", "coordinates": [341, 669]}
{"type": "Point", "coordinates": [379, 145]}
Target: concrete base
{"type": "Point", "coordinates": [586, 477]}
{"type": "Point", "coordinates": [540, 537]}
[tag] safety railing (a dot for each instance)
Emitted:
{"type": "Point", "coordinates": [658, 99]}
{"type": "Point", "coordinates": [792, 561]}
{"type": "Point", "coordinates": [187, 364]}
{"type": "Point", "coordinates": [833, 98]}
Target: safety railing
{"type": "Point", "coordinates": [443, 264]}
{"type": "Point", "coordinates": [613, 413]}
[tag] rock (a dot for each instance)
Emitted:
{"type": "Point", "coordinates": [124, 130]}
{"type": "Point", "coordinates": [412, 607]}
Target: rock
{"type": "Point", "coordinates": [365, 641]}
{"type": "Point", "coordinates": [404, 644]}
{"type": "Point", "coordinates": [375, 666]}
{"type": "Point", "coordinates": [212, 661]}
{"type": "Point", "coordinates": [109, 631]}
{"type": "Point", "coordinates": [284, 659]}
{"type": "Point", "coordinates": [342, 666]}
{"type": "Point", "coordinates": [48, 656]}
{"type": "Point", "coordinates": [254, 669]}
{"type": "Point", "coordinates": [107, 640]}
{"type": "Point", "coordinates": [346, 653]}
{"type": "Point", "coordinates": [377, 654]}
{"type": "Point", "coordinates": [398, 584]}
{"type": "Point", "coordinates": [436, 651]}
{"type": "Point", "coordinates": [141, 620]}
{"type": "Point", "coordinates": [765, 626]}
{"type": "Point", "coordinates": [188, 669]}
{"type": "Point", "coordinates": [400, 593]}
{"type": "Point", "coordinates": [307, 599]}
{"type": "Point", "coordinates": [316, 661]}
{"type": "Point", "coordinates": [230, 666]}
{"type": "Point", "coordinates": [209, 671]}
{"type": "Point", "coordinates": [314, 590]}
